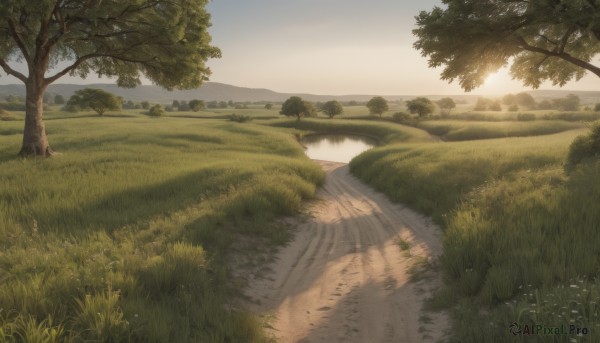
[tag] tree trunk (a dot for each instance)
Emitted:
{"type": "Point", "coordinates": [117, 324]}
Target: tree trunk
{"type": "Point", "coordinates": [35, 141]}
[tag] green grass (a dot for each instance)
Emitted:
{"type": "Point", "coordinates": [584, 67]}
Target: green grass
{"type": "Point", "coordinates": [123, 235]}
{"type": "Point", "coordinates": [460, 130]}
{"type": "Point", "coordinates": [512, 219]}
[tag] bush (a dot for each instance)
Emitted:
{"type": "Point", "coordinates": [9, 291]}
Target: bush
{"type": "Point", "coordinates": [525, 116]}
{"type": "Point", "coordinates": [513, 108]}
{"type": "Point", "coordinates": [584, 147]}
{"type": "Point", "coordinates": [71, 108]}
{"type": "Point", "coordinates": [401, 117]}
{"type": "Point", "coordinates": [13, 106]}
{"type": "Point", "coordinates": [240, 118]}
{"type": "Point", "coordinates": [156, 111]}
{"type": "Point", "coordinates": [5, 115]}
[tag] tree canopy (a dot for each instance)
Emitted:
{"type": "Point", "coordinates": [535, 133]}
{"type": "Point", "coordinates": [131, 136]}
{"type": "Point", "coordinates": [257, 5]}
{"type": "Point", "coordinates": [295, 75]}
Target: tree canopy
{"type": "Point", "coordinates": [332, 108]}
{"type": "Point", "coordinates": [297, 107]}
{"type": "Point", "coordinates": [196, 105]}
{"type": "Point", "coordinates": [377, 105]}
{"type": "Point", "coordinates": [166, 41]}
{"type": "Point", "coordinates": [446, 104]}
{"type": "Point", "coordinates": [545, 40]}
{"type": "Point", "coordinates": [96, 99]}
{"type": "Point", "coordinates": [421, 106]}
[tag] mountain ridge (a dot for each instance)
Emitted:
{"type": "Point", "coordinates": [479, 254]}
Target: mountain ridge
{"type": "Point", "coordinates": [224, 92]}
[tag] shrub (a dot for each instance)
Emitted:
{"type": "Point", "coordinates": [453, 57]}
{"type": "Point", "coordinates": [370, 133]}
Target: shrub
{"type": "Point", "coordinates": [401, 117]}
{"type": "Point", "coordinates": [5, 115]}
{"type": "Point", "coordinates": [240, 118]}
{"type": "Point", "coordinates": [513, 108]}
{"type": "Point", "coordinates": [584, 147]}
{"type": "Point", "coordinates": [156, 111]}
{"type": "Point", "coordinates": [525, 116]}
{"type": "Point", "coordinates": [71, 108]}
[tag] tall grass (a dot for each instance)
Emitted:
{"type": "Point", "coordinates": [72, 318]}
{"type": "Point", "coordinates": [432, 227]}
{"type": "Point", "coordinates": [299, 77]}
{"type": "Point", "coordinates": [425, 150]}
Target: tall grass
{"type": "Point", "coordinates": [456, 130]}
{"type": "Point", "coordinates": [513, 220]}
{"type": "Point", "coordinates": [123, 235]}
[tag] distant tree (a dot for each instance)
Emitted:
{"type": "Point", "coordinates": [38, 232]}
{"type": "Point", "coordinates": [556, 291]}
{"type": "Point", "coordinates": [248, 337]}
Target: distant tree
{"type": "Point", "coordinates": [495, 106]}
{"type": "Point", "coordinates": [96, 99]}
{"type": "Point", "coordinates": [352, 103]}
{"type": "Point", "coordinates": [183, 106]}
{"type": "Point", "coordinates": [446, 104]}
{"type": "Point", "coordinates": [509, 99]}
{"type": "Point", "coordinates": [129, 105]}
{"type": "Point", "coordinates": [212, 104]}
{"type": "Point", "coordinates": [597, 107]}
{"type": "Point", "coordinates": [223, 104]}
{"type": "Point", "coordinates": [421, 106]}
{"type": "Point", "coordinates": [513, 108]}
{"type": "Point", "coordinates": [297, 107]}
{"type": "Point", "coordinates": [377, 105]}
{"type": "Point", "coordinates": [169, 108]}
{"type": "Point", "coordinates": [196, 105]}
{"type": "Point", "coordinates": [569, 103]}
{"type": "Point", "coordinates": [145, 105]}
{"type": "Point", "coordinates": [525, 100]}
{"type": "Point", "coordinates": [332, 108]}
{"type": "Point", "coordinates": [59, 99]}
{"type": "Point", "coordinates": [268, 106]}
{"type": "Point", "coordinates": [482, 104]}
{"type": "Point", "coordinates": [175, 104]}
{"type": "Point", "coordinates": [12, 98]}
{"type": "Point", "coordinates": [230, 103]}
{"type": "Point", "coordinates": [156, 111]}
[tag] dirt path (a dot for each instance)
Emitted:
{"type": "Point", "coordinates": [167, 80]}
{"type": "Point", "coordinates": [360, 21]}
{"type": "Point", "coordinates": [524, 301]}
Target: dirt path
{"type": "Point", "coordinates": [344, 278]}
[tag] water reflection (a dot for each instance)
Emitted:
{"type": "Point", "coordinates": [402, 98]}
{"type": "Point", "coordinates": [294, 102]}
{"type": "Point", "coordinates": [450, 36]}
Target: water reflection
{"type": "Point", "coordinates": [336, 148]}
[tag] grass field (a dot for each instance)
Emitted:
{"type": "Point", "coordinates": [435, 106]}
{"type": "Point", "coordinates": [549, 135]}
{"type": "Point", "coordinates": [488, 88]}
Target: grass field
{"type": "Point", "coordinates": [460, 130]}
{"type": "Point", "coordinates": [521, 236]}
{"type": "Point", "coordinates": [123, 235]}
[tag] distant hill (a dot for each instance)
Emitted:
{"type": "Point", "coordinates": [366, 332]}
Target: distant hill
{"type": "Point", "coordinates": [223, 92]}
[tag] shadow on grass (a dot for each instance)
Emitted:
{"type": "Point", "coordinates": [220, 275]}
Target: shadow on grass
{"type": "Point", "coordinates": [138, 205]}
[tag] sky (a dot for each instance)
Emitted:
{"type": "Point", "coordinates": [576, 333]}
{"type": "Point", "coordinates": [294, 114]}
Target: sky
{"type": "Point", "coordinates": [331, 47]}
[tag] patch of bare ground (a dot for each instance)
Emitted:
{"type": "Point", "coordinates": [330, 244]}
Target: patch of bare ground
{"type": "Point", "coordinates": [345, 277]}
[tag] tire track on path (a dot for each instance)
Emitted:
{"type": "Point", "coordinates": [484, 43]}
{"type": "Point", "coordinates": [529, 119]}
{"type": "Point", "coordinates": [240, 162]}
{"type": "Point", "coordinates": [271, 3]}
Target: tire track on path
{"type": "Point", "coordinates": [344, 278]}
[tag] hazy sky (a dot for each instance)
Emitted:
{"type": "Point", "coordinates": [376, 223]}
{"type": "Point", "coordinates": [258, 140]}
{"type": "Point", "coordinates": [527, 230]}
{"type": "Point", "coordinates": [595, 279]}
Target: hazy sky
{"type": "Point", "coordinates": [329, 47]}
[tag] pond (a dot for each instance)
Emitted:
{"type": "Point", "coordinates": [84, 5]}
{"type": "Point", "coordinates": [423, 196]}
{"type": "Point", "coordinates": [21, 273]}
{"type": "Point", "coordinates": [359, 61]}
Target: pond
{"type": "Point", "coordinates": [336, 148]}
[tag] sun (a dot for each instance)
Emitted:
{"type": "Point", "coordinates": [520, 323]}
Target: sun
{"type": "Point", "coordinates": [491, 79]}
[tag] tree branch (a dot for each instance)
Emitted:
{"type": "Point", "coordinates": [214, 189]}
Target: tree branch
{"type": "Point", "coordinates": [562, 55]}
{"type": "Point", "coordinates": [68, 69]}
{"type": "Point", "coordinates": [17, 38]}
{"type": "Point", "coordinates": [11, 71]}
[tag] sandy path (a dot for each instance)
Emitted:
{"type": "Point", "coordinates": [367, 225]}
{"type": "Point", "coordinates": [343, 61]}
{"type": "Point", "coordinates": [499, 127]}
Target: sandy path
{"type": "Point", "coordinates": [344, 278]}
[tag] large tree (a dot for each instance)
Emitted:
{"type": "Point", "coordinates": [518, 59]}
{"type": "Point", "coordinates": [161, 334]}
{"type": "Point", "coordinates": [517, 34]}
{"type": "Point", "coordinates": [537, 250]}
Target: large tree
{"type": "Point", "coordinates": [164, 40]}
{"type": "Point", "coordinates": [545, 40]}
